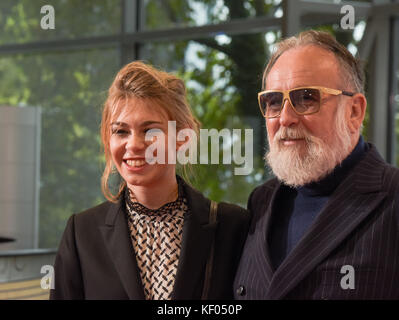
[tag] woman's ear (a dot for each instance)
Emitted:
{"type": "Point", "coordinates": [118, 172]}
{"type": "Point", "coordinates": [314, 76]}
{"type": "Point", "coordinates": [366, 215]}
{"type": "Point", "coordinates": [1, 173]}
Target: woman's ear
{"type": "Point", "coordinates": [357, 112]}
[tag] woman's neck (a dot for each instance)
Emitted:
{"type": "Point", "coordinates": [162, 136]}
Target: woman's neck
{"type": "Point", "coordinates": [155, 196]}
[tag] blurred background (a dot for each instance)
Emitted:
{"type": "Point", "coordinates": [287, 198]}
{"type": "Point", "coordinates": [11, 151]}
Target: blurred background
{"type": "Point", "coordinates": [53, 83]}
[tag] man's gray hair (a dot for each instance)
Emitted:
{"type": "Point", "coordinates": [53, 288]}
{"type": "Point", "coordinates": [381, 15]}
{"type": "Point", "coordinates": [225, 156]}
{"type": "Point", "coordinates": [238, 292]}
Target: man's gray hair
{"type": "Point", "coordinates": [351, 68]}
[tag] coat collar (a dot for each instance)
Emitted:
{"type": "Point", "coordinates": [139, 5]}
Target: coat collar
{"type": "Point", "coordinates": [353, 200]}
{"type": "Point", "coordinates": [118, 243]}
{"type": "Point", "coordinates": [265, 264]}
{"type": "Point", "coordinates": [196, 242]}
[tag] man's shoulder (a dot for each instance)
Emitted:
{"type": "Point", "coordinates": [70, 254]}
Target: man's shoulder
{"type": "Point", "coordinates": [391, 178]}
{"type": "Point", "coordinates": [391, 171]}
{"type": "Point", "coordinates": [375, 165]}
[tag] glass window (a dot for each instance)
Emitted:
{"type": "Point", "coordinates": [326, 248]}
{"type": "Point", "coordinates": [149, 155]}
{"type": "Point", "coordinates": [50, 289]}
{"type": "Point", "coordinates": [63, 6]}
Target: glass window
{"type": "Point", "coordinates": [395, 85]}
{"type": "Point", "coordinates": [396, 99]}
{"type": "Point", "coordinates": [223, 75]}
{"type": "Point", "coordinates": [20, 21]}
{"type": "Point", "coordinates": [70, 89]}
{"type": "Point", "coordinates": [222, 87]}
{"type": "Point", "coordinates": [180, 13]}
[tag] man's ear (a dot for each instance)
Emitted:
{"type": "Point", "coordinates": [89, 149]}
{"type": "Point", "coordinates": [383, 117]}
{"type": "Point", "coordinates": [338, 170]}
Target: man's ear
{"type": "Point", "coordinates": [357, 112]}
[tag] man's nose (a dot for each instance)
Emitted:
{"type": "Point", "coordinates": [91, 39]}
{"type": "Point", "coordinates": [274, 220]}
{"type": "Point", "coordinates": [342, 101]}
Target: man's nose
{"type": "Point", "coordinates": [288, 117]}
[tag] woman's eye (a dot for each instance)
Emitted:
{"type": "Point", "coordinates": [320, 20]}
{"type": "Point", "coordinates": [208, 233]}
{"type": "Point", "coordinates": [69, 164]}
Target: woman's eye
{"type": "Point", "coordinates": [119, 132]}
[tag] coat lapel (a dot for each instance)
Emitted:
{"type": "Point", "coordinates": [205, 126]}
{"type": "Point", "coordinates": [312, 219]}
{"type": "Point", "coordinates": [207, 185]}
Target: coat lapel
{"type": "Point", "coordinates": [265, 263]}
{"type": "Point", "coordinates": [117, 239]}
{"type": "Point", "coordinates": [354, 199]}
{"type": "Point", "coordinates": [196, 243]}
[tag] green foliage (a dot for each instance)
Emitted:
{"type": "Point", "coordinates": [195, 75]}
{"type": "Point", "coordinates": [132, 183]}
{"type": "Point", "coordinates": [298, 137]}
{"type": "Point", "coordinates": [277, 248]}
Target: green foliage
{"type": "Point", "coordinates": [67, 87]}
{"type": "Point", "coordinates": [222, 79]}
{"type": "Point", "coordinates": [223, 76]}
{"type": "Point", "coordinates": [20, 20]}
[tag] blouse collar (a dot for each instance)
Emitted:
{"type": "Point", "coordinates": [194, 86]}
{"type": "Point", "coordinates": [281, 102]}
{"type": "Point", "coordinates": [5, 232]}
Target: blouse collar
{"type": "Point", "coordinates": [133, 205]}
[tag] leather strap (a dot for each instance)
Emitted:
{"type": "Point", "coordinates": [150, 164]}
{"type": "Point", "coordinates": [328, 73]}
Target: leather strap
{"type": "Point", "coordinates": [209, 264]}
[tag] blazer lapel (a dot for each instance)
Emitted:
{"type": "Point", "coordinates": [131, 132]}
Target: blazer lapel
{"type": "Point", "coordinates": [196, 243]}
{"type": "Point", "coordinates": [264, 261]}
{"type": "Point", "coordinates": [354, 199]}
{"type": "Point", "coordinates": [116, 237]}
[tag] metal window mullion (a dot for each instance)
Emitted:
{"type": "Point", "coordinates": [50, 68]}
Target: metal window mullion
{"type": "Point", "coordinates": [291, 18]}
{"type": "Point", "coordinates": [393, 91]}
{"type": "Point", "coordinates": [130, 21]}
{"type": "Point", "coordinates": [379, 81]}
{"type": "Point", "coordinates": [242, 26]}
{"type": "Point", "coordinates": [311, 6]}
{"type": "Point", "coordinates": [61, 45]}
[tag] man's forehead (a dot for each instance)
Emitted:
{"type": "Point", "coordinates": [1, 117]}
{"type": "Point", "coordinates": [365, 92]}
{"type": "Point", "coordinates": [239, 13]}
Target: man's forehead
{"type": "Point", "coordinates": [304, 66]}
{"type": "Point", "coordinates": [289, 80]}
{"type": "Point", "coordinates": [275, 75]}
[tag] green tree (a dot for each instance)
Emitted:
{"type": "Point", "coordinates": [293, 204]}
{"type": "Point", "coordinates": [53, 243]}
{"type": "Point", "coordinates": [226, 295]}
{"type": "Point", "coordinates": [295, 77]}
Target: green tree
{"type": "Point", "coordinates": [222, 73]}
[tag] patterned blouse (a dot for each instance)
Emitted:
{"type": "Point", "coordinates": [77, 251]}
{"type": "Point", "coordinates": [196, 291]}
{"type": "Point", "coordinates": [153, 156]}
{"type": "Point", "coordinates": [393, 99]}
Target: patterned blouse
{"type": "Point", "coordinates": [156, 237]}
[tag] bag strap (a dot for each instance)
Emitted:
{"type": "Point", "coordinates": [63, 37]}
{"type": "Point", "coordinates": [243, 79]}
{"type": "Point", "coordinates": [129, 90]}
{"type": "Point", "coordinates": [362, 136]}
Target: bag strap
{"type": "Point", "coordinates": [209, 264]}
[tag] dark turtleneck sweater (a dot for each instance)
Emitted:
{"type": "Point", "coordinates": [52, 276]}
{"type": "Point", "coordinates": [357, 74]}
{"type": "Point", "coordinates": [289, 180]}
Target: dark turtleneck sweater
{"type": "Point", "coordinates": [295, 209]}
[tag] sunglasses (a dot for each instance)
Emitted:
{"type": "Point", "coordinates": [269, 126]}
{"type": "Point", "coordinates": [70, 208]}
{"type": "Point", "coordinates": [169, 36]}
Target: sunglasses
{"type": "Point", "coordinates": [304, 100]}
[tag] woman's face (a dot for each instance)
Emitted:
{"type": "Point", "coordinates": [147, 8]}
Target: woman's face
{"type": "Point", "coordinates": [128, 145]}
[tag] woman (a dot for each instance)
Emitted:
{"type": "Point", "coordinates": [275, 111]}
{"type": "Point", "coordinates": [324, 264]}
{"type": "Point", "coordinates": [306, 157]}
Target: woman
{"type": "Point", "coordinates": [153, 239]}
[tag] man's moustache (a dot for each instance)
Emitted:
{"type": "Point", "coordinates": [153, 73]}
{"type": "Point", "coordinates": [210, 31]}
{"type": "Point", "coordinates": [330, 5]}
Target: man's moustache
{"type": "Point", "coordinates": [291, 135]}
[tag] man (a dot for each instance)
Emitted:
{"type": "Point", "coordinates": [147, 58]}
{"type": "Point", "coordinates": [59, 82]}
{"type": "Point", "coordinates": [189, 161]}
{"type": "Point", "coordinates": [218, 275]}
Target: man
{"type": "Point", "coordinates": [327, 226]}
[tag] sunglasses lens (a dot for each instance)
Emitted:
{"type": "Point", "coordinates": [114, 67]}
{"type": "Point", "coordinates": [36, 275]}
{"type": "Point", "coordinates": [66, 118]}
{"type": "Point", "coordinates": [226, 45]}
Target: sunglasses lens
{"type": "Point", "coordinates": [270, 103]}
{"type": "Point", "coordinates": [305, 100]}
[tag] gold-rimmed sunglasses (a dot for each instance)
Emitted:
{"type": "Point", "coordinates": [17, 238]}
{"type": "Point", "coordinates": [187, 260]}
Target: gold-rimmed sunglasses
{"type": "Point", "coordinates": [304, 100]}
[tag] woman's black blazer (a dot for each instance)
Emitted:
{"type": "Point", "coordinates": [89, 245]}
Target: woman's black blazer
{"type": "Point", "coordinates": [96, 260]}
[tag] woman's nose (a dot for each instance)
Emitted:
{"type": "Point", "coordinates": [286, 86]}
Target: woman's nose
{"type": "Point", "coordinates": [135, 142]}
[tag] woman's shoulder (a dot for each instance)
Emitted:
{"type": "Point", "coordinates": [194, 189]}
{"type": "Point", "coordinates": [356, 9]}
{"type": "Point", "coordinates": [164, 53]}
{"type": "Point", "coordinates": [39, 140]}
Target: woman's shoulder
{"type": "Point", "coordinates": [97, 213]}
{"type": "Point", "coordinates": [199, 201]}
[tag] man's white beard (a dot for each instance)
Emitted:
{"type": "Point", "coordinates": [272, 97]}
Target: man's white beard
{"type": "Point", "coordinates": [296, 167]}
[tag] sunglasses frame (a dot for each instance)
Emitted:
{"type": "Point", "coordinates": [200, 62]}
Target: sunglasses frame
{"type": "Point", "coordinates": [286, 96]}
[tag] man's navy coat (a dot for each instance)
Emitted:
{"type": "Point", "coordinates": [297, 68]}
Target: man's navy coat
{"type": "Point", "coordinates": [358, 227]}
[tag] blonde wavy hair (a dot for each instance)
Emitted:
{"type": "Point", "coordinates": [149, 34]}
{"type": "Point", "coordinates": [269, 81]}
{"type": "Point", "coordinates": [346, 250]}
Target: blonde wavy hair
{"type": "Point", "coordinates": [140, 80]}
